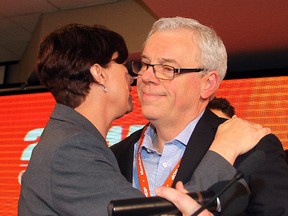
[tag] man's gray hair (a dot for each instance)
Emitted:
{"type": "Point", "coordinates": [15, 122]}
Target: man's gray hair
{"type": "Point", "coordinates": [212, 52]}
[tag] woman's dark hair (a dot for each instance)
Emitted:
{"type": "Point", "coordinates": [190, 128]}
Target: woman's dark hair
{"type": "Point", "coordinates": [66, 55]}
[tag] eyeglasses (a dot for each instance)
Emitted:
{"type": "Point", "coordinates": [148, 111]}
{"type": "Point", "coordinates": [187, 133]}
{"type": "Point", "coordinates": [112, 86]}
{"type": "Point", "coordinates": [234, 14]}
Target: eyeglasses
{"type": "Point", "coordinates": [131, 79]}
{"type": "Point", "coordinates": [163, 72]}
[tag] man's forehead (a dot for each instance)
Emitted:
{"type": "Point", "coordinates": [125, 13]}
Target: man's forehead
{"type": "Point", "coordinates": [174, 52]}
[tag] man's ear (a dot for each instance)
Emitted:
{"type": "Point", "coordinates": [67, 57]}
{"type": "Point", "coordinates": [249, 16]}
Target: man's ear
{"type": "Point", "coordinates": [210, 83]}
{"type": "Point", "coordinates": [98, 74]}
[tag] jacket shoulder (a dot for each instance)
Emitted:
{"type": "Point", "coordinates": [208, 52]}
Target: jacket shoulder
{"type": "Point", "coordinates": [126, 144]}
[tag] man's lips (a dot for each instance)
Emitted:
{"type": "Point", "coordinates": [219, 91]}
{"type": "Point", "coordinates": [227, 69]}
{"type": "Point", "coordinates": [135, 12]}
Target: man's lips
{"type": "Point", "coordinates": [151, 96]}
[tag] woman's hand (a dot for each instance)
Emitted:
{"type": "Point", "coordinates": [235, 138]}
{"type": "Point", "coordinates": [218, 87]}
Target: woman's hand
{"type": "Point", "coordinates": [237, 136]}
{"type": "Point", "coordinates": [181, 200]}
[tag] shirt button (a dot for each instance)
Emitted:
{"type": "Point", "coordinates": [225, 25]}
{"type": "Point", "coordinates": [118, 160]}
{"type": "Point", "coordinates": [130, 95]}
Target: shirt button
{"type": "Point", "coordinates": [164, 165]}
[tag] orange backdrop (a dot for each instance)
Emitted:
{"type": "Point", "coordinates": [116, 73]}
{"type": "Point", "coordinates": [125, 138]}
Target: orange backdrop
{"type": "Point", "coordinates": [23, 117]}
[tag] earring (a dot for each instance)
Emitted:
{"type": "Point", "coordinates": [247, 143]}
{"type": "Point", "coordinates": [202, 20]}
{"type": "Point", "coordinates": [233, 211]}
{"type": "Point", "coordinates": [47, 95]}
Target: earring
{"type": "Point", "coordinates": [105, 88]}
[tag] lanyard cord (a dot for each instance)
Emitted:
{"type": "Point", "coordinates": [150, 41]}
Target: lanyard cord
{"type": "Point", "coordinates": [143, 181]}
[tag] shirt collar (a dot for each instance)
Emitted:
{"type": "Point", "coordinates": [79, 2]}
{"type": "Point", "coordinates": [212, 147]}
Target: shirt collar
{"type": "Point", "coordinates": [183, 137]}
{"type": "Point", "coordinates": [185, 134]}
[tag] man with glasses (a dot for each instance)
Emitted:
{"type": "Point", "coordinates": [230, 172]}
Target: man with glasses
{"type": "Point", "coordinates": [181, 67]}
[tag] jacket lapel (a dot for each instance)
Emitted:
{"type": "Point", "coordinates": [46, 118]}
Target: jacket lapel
{"type": "Point", "coordinates": [198, 145]}
{"type": "Point", "coordinates": [124, 152]}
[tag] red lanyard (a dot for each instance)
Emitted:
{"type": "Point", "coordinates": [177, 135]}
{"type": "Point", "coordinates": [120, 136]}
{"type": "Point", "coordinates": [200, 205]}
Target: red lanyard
{"type": "Point", "coordinates": [143, 181]}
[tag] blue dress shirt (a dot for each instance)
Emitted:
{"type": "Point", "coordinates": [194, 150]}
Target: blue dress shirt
{"type": "Point", "coordinates": [158, 166]}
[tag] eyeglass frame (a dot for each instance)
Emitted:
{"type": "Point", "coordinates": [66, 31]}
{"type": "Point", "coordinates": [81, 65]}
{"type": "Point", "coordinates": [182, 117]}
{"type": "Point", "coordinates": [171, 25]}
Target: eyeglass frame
{"type": "Point", "coordinates": [176, 71]}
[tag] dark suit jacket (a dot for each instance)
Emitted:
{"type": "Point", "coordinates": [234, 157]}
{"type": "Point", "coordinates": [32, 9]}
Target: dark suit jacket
{"type": "Point", "coordinates": [268, 184]}
{"type": "Point", "coordinates": [72, 171]}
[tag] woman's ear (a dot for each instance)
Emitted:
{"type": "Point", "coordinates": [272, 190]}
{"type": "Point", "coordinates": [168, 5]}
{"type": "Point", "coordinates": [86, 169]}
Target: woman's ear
{"type": "Point", "coordinates": [210, 84]}
{"type": "Point", "coordinates": [98, 74]}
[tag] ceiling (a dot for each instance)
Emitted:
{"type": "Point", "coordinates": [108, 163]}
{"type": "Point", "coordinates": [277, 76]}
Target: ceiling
{"type": "Point", "coordinates": [257, 30]}
{"type": "Point", "coordinates": [19, 17]}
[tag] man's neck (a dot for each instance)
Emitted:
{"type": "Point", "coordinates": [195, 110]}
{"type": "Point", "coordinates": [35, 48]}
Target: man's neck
{"type": "Point", "coordinates": [166, 131]}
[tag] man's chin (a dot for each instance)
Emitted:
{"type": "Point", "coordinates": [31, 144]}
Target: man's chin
{"type": "Point", "coordinates": [150, 115]}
